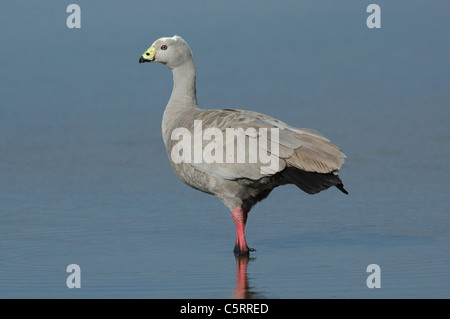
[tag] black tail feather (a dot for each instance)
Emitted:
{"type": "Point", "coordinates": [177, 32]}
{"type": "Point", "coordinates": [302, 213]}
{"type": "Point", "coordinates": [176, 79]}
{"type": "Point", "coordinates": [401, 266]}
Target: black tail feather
{"type": "Point", "coordinates": [311, 182]}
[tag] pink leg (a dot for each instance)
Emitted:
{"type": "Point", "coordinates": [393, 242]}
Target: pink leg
{"type": "Point", "coordinates": [240, 218]}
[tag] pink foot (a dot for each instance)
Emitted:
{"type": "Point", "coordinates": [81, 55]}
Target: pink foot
{"type": "Point", "coordinates": [240, 218]}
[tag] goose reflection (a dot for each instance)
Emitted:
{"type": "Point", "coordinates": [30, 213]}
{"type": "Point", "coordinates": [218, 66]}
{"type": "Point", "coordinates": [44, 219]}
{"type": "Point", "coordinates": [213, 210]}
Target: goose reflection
{"type": "Point", "coordinates": [243, 290]}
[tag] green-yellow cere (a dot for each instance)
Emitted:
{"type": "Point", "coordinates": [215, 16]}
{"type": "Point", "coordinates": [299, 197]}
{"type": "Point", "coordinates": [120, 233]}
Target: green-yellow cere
{"type": "Point", "coordinates": [149, 54]}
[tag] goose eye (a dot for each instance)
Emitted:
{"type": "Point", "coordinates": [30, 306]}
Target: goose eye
{"type": "Point", "coordinates": [164, 47]}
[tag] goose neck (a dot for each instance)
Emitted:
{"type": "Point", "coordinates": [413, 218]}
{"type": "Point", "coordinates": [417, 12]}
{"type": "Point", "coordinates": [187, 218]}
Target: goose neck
{"type": "Point", "coordinates": [184, 91]}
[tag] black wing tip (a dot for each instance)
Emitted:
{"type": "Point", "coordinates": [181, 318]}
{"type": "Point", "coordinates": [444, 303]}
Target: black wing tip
{"type": "Point", "coordinates": [312, 182]}
{"type": "Point", "coordinates": [341, 188]}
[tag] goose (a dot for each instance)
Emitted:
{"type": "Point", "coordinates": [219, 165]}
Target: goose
{"type": "Point", "coordinates": [237, 155]}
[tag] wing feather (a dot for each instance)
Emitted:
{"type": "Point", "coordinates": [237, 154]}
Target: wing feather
{"type": "Point", "coordinates": [304, 149]}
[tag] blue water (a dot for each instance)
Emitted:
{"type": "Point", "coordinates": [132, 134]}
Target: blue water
{"type": "Point", "coordinates": [84, 177]}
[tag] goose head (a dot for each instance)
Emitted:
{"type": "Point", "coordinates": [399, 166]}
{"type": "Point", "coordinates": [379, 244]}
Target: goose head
{"type": "Point", "coordinates": [170, 51]}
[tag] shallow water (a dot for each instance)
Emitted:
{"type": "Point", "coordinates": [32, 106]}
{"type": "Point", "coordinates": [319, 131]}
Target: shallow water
{"type": "Point", "coordinates": [84, 177]}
